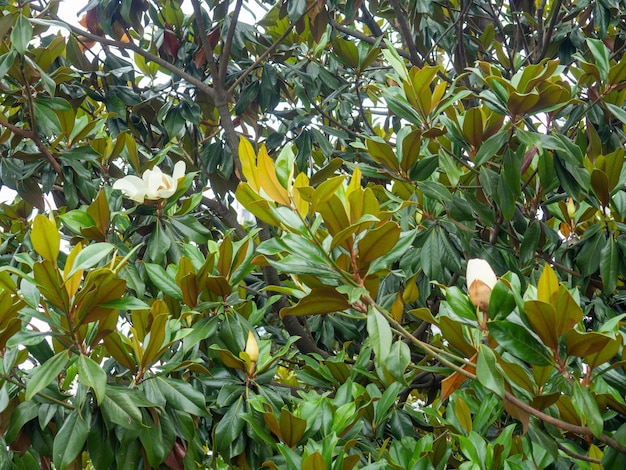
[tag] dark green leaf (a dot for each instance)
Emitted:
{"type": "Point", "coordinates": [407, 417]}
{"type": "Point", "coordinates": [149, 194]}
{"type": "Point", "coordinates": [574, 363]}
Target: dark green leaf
{"type": "Point", "coordinates": [518, 341]}
{"type": "Point", "coordinates": [46, 373]}
{"type": "Point", "coordinates": [70, 440]}
{"type": "Point", "coordinates": [163, 281]}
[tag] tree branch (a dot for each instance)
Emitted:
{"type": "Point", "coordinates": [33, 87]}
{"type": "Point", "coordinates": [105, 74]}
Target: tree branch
{"type": "Point", "coordinates": [225, 52]}
{"type": "Point", "coordinates": [225, 214]}
{"type": "Point", "coordinates": [142, 52]}
{"type": "Point", "coordinates": [405, 32]}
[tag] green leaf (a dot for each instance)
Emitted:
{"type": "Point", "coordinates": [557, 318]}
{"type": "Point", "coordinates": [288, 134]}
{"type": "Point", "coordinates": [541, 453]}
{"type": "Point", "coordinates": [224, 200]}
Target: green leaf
{"type": "Point", "coordinates": [46, 373]}
{"type": "Point", "coordinates": [46, 238]}
{"type": "Point", "coordinates": [394, 59]}
{"type": "Point", "coordinates": [6, 62]}
{"type": "Point", "coordinates": [126, 303]}
{"type": "Point", "coordinates": [23, 413]}
{"type": "Point", "coordinates": [70, 440]}
{"type": "Point", "coordinates": [21, 34]}
{"type": "Point", "coordinates": [380, 334]}
{"type": "Point", "coordinates": [92, 375]}
{"type": "Point", "coordinates": [435, 191]}
{"type": "Point", "coordinates": [600, 54]}
{"type": "Point", "coordinates": [163, 281]}
{"type": "Point", "coordinates": [295, 9]}
{"type": "Point", "coordinates": [182, 396]}
{"type": "Point", "coordinates": [516, 340]}
{"type": "Point", "coordinates": [609, 265]}
{"type": "Point", "coordinates": [460, 304]}
{"type": "Point", "coordinates": [398, 360]}
{"type": "Point", "coordinates": [587, 409]}
{"type": "Point", "coordinates": [490, 146]}
{"type": "Point", "coordinates": [487, 373]}
{"type": "Point", "coordinates": [90, 256]}
{"type": "Point", "coordinates": [158, 244]}
{"type": "Point", "coordinates": [529, 243]}
{"type": "Point", "coordinates": [618, 112]}
{"type": "Point", "coordinates": [502, 301]}
{"type": "Point", "coordinates": [230, 426]}
{"type": "Point", "coordinates": [118, 407]}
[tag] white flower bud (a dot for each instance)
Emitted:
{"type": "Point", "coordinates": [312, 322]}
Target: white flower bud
{"type": "Point", "coordinates": [480, 280]}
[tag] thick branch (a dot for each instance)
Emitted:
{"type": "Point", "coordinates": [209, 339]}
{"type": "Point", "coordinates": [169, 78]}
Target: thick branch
{"type": "Point", "coordinates": [204, 40]}
{"type": "Point", "coordinates": [405, 32]}
{"type": "Point", "coordinates": [225, 214]}
{"type": "Point", "coordinates": [219, 94]}
{"type": "Point", "coordinates": [550, 30]}
{"type": "Point", "coordinates": [225, 52]}
{"type": "Point", "coordinates": [582, 430]}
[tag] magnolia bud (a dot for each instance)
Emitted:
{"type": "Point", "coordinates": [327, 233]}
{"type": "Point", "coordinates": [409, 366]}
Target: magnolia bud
{"type": "Point", "coordinates": [252, 348]}
{"type": "Point", "coordinates": [480, 280]}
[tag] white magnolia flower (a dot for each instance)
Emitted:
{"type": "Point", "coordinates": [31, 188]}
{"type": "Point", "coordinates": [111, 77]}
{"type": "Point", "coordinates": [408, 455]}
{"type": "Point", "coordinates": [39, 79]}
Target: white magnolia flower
{"type": "Point", "coordinates": [480, 280]}
{"type": "Point", "coordinates": [154, 184]}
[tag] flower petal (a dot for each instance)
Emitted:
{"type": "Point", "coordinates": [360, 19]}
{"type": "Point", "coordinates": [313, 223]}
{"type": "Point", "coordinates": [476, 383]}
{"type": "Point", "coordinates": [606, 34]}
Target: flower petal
{"type": "Point", "coordinates": [132, 186]}
{"type": "Point", "coordinates": [479, 269]}
{"type": "Point", "coordinates": [179, 171]}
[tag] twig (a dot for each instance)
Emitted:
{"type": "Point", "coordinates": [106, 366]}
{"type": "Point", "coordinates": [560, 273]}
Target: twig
{"type": "Point", "coordinates": [266, 53]}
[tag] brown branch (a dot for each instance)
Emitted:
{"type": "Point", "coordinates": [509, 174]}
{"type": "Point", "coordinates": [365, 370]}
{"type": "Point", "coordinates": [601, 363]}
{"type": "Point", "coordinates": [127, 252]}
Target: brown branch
{"type": "Point", "coordinates": [142, 52]}
{"type": "Point", "coordinates": [551, 27]}
{"type": "Point", "coordinates": [16, 130]}
{"type": "Point", "coordinates": [219, 209]}
{"type": "Point", "coordinates": [582, 430]}
{"type": "Point", "coordinates": [33, 125]}
{"type": "Point", "coordinates": [365, 38]}
{"type": "Point", "coordinates": [576, 455]}
{"type": "Point", "coordinates": [204, 40]}
{"type": "Point", "coordinates": [429, 349]}
{"type": "Point", "coordinates": [405, 32]}
{"type": "Point", "coordinates": [266, 53]}
{"type": "Point", "coordinates": [225, 52]}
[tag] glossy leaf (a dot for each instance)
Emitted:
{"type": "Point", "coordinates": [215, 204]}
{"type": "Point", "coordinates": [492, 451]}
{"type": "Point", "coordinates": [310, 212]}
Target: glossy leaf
{"type": "Point", "coordinates": [70, 440]}
{"type": "Point", "coordinates": [518, 341]}
{"type": "Point", "coordinates": [93, 376]}
{"type": "Point", "coordinates": [46, 373]}
{"type": "Point", "coordinates": [46, 238]}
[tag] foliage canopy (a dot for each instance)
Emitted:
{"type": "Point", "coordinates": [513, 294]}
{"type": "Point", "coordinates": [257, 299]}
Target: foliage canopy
{"type": "Point", "coordinates": [377, 147]}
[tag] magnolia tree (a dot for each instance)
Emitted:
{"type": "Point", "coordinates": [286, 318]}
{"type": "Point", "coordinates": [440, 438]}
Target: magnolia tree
{"type": "Point", "coordinates": [313, 235]}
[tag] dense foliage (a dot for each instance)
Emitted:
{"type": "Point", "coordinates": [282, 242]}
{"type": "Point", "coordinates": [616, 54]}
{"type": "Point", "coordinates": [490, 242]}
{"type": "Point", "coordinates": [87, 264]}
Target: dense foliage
{"type": "Point", "coordinates": [241, 241]}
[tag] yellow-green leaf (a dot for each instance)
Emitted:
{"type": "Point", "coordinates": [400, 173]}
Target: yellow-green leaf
{"type": "Point", "coordinates": [268, 179]}
{"type": "Point", "coordinates": [548, 286]}
{"type": "Point", "coordinates": [248, 164]}
{"type": "Point", "coordinates": [46, 238]}
{"type": "Point", "coordinates": [378, 241]}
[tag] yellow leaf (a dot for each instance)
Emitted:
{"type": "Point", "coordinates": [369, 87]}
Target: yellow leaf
{"type": "Point", "coordinates": [302, 205]}
{"type": "Point", "coordinates": [397, 308]}
{"type": "Point", "coordinates": [268, 179]}
{"type": "Point", "coordinates": [548, 286]}
{"type": "Point", "coordinates": [46, 238]}
{"type": "Point", "coordinates": [248, 164]}
{"type": "Point", "coordinates": [73, 283]}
